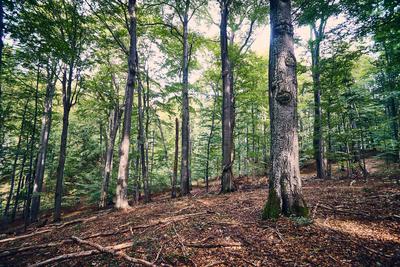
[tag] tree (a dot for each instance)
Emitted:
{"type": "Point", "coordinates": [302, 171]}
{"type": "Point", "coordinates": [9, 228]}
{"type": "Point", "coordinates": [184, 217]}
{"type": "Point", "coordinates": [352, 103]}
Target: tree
{"type": "Point", "coordinates": [227, 103]}
{"type": "Point", "coordinates": [123, 168]}
{"type": "Point", "coordinates": [285, 192]}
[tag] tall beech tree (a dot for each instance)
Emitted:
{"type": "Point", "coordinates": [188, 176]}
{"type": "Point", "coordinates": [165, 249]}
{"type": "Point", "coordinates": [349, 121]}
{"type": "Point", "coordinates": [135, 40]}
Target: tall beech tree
{"type": "Point", "coordinates": [123, 168]}
{"type": "Point", "coordinates": [285, 191]}
{"type": "Point", "coordinates": [228, 117]}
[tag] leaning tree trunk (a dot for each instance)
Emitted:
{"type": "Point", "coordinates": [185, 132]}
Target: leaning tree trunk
{"type": "Point", "coordinates": [123, 168]}
{"type": "Point", "coordinates": [285, 192]}
{"type": "Point", "coordinates": [43, 143]}
{"type": "Point", "coordinates": [227, 104]}
{"type": "Point", "coordinates": [185, 174]}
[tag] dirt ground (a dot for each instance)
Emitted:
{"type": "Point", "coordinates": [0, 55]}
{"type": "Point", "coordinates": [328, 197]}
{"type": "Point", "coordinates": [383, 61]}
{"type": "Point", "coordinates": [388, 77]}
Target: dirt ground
{"type": "Point", "coordinates": [353, 223]}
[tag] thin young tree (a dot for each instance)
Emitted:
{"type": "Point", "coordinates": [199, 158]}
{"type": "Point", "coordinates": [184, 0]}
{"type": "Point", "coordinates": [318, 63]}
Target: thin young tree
{"type": "Point", "coordinates": [285, 191]}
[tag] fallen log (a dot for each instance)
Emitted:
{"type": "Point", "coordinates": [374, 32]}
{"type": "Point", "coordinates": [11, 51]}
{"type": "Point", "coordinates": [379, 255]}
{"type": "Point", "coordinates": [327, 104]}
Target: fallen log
{"type": "Point", "coordinates": [24, 236]}
{"type": "Point", "coordinates": [79, 255]}
{"type": "Point", "coordinates": [15, 250]}
{"type": "Point", "coordinates": [113, 252]}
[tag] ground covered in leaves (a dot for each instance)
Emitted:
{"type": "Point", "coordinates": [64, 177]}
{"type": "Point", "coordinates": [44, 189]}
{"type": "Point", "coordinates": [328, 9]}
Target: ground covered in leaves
{"type": "Point", "coordinates": [353, 223]}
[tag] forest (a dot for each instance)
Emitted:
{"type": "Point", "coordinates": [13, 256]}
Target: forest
{"type": "Point", "coordinates": [199, 133]}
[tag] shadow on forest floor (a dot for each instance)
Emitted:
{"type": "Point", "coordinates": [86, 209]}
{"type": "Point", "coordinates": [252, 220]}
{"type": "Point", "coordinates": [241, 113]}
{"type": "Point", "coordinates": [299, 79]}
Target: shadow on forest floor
{"type": "Point", "coordinates": [353, 224]}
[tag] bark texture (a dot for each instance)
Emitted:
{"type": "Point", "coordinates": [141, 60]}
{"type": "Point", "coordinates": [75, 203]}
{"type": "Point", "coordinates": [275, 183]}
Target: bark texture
{"type": "Point", "coordinates": [227, 104]}
{"type": "Point", "coordinates": [285, 193]}
{"type": "Point", "coordinates": [185, 172]}
{"type": "Point", "coordinates": [123, 170]}
{"type": "Point", "coordinates": [43, 143]}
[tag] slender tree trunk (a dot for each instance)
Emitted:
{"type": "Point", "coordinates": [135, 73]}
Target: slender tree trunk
{"type": "Point", "coordinates": [175, 170]}
{"type": "Point", "coordinates": [123, 168]}
{"type": "Point", "coordinates": [285, 190]}
{"type": "Point", "coordinates": [162, 138]}
{"type": "Point", "coordinates": [329, 157]}
{"type": "Point", "coordinates": [43, 143]}
{"type": "Point", "coordinates": [209, 141]}
{"type": "Point", "coordinates": [1, 78]}
{"type": "Point", "coordinates": [30, 177]}
{"type": "Point", "coordinates": [67, 91]}
{"type": "Point", "coordinates": [20, 182]}
{"type": "Point", "coordinates": [227, 177]}
{"type": "Point", "coordinates": [317, 136]}
{"type": "Point", "coordinates": [142, 144]}
{"type": "Point", "coordinates": [114, 120]}
{"type": "Point", "coordinates": [14, 169]}
{"type": "Point", "coordinates": [185, 174]}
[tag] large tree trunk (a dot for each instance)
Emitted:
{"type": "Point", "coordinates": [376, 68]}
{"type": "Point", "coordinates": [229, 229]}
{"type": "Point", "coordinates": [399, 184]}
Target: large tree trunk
{"type": "Point", "coordinates": [285, 192]}
{"type": "Point", "coordinates": [185, 173]}
{"type": "Point", "coordinates": [43, 143]}
{"type": "Point", "coordinates": [227, 104]}
{"type": "Point", "coordinates": [123, 169]}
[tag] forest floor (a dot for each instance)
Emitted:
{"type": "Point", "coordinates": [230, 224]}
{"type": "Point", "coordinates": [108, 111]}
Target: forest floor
{"type": "Point", "coordinates": [353, 223]}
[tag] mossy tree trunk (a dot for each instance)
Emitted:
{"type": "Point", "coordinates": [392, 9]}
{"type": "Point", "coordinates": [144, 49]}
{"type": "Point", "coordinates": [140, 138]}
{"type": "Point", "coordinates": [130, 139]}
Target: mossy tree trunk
{"type": "Point", "coordinates": [285, 193]}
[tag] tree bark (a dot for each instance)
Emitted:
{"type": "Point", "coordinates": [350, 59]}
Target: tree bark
{"type": "Point", "coordinates": [318, 143]}
{"type": "Point", "coordinates": [66, 88]}
{"type": "Point", "coordinates": [123, 170]}
{"type": "Point", "coordinates": [185, 173]}
{"type": "Point", "coordinates": [285, 192]}
{"type": "Point", "coordinates": [209, 141]}
{"type": "Point", "coordinates": [30, 177]}
{"type": "Point", "coordinates": [43, 143]}
{"type": "Point", "coordinates": [227, 104]}
{"type": "Point", "coordinates": [113, 122]}
{"type": "Point", "coordinates": [142, 142]}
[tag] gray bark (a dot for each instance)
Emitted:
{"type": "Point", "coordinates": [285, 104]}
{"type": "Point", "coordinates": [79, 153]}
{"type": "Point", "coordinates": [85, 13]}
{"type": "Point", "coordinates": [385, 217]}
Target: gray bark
{"type": "Point", "coordinates": [318, 142]}
{"type": "Point", "coordinates": [227, 104]}
{"type": "Point", "coordinates": [113, 124]}
{"type": "Point", "coordinates": [123, 169]}
{"type": "Point", "coordinates": [43, 143]}
{"type": "Point", "coordinates": [285, 192]}
{"type": "Point", "coordinates": [185, 173]}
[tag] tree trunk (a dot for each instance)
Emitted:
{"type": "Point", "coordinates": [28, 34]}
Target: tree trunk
{"type": "Point", "coordinates": [185, 174]}
{"type": "Point", "coordinates": [30, 177]}
{"type": "Point", "coordinates": [209, 141]}
{"type": "Point", "coordinates": [285, 192]}
{"type": "Point", "coordinates": [114, 120]}
{"type": "Point", "coordinates": [227, 104]}
{"type": "Point", "coordinates": [14, 169]}
{"type": "Point", "coordinates": [318, 144]}
{"type": "Point", "coordinates": [43, 143]}
{"type": "Point", "coordinates": [123, 169]}
{"type": "Point", "coordinates": [175, 170]}
{"type": "Point", "coordinates": [142, 143]}
{"type": "Point", "coordinates": [67, 91]}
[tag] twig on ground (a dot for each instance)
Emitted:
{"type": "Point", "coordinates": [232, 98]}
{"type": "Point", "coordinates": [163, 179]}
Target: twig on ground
{"type": "Point", "coordinates": [113, 252]}
{"type": "Point", "coordinates": [79, 255]}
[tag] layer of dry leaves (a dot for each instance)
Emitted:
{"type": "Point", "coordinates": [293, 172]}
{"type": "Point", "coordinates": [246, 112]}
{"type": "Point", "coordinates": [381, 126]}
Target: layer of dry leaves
{"type": "Point", "coordinates": [353, 225]}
